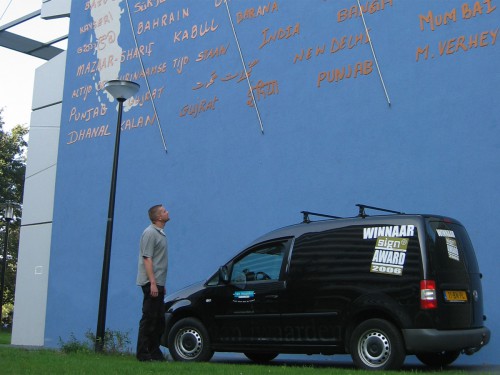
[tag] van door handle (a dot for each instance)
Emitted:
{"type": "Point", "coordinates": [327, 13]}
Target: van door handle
{"type": "Point", "coordinates": [271, 296]}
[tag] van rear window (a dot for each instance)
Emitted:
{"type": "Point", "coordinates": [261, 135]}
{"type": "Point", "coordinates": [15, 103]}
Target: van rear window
{"type": "Point", "coordinates": [452, 247]}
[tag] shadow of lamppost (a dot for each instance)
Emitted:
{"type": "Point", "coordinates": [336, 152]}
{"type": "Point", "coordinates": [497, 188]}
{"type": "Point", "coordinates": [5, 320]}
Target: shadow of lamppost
{"type": "Point", "coordinates": [121, 91]}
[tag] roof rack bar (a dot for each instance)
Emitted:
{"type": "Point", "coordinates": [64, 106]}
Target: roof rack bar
{"type": "Point", "coordinates": [362, 208]}
{"type": "Point", "coordinates": [307, 213]}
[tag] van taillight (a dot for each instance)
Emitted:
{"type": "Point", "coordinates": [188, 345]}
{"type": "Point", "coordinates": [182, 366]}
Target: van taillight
{"type": "Point", "coordinates": [428, 294]}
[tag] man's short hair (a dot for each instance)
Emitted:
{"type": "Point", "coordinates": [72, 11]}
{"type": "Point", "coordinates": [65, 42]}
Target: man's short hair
{"type": "Point", "coordinates": [153, 212]}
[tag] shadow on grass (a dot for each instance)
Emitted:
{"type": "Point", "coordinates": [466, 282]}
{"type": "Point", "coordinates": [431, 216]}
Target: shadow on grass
{"type": "Point", "coordinates": [343, 362]}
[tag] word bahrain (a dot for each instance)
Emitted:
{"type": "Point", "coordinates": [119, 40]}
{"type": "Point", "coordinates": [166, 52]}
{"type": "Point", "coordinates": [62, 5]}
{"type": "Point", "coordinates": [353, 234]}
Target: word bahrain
{"type": "Point", "coordinates": [163, 21]}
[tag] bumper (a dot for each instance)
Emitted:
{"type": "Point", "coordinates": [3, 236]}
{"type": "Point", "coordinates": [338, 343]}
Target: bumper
{"type": "Point", "coordinates": [433, 340]}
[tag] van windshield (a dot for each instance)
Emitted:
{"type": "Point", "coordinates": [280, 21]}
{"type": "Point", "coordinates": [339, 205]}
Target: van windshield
{"type": "Point", "coordinates": [452, 247]}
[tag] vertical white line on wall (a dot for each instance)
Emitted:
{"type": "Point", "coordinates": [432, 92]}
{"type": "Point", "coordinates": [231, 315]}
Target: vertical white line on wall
{"type": "Point", "coordinates": [146, 79]}
{"type": "Point", "coordinates": [373, 53]}
{"type": "Point", "coordinates": [244, 67]}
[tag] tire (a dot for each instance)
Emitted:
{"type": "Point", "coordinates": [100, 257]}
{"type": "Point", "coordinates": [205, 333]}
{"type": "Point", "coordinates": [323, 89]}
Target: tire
{"type": "Point", "coordinates": [261, 357]}
{"type": "Point", "coordinates": [188, 341]}
{"type": "Point", "coordinates": [440, 359]}
{"type": "Point", "coordinates": [377, 344]}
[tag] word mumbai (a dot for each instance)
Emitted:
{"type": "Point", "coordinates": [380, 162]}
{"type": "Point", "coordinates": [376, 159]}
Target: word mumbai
{"type": "Point", "coordinates": [467, 13]}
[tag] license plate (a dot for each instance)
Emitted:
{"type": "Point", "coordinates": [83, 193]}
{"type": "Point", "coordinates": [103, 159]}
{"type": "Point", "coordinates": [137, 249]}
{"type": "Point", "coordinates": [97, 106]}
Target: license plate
{"type": "Point", "coordinates": [455, 296]}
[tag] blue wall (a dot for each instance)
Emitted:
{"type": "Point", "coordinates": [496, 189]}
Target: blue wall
{"type": "Point", "coordinates": [325, 147]}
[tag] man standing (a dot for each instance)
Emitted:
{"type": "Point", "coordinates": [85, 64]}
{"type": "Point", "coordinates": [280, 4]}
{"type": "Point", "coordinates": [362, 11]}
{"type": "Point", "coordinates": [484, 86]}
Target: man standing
{"type": "Point", "coordinates": [151, 277]}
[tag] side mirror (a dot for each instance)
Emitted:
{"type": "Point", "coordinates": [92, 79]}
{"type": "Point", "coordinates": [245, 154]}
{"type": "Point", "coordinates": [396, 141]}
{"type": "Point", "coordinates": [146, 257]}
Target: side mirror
{"type": "Point", "coordinates": [223, 275]}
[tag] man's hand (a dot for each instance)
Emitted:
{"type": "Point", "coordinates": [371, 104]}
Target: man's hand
{"type": "Point", "coordinates": [154, 290]}
{"type": "Point", "coordinates": [148, 265]}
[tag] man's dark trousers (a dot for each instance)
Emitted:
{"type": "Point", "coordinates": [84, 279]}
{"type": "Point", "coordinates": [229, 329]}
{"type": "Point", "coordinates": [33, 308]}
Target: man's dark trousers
{"type": "Point", "coordinates": [152, 325]}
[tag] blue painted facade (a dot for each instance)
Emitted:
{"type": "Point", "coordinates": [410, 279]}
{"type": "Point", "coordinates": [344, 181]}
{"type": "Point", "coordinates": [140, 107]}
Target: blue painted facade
{"type": "Point", "coordinates": [419, 133]}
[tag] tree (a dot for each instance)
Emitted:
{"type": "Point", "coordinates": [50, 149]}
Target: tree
{"type": "Point", "coordinates": [12, 171]}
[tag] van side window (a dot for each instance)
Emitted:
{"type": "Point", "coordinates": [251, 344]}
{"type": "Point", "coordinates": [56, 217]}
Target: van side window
{"type": "Point", "coordinates": [262, 263]}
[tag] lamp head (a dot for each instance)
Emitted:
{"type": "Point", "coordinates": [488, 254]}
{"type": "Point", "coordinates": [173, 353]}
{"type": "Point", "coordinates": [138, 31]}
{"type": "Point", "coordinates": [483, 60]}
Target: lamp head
{"type": "Point", "coordinates": [121, 90]}
{"type": "Point", "coordinates": [8, 211]}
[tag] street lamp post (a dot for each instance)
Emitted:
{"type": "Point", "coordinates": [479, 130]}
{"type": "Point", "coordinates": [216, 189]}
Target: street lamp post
{"type": "Point", "coordinates": [121, 91]}
{"type": "Point", "coordinates": [8, 216]}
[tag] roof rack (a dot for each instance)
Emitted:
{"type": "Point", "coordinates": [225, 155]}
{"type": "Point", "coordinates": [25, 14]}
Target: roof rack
{"type": "Point", "coordinates": [363, 214]}
{"type": "Point", "coordinates": [307, 213]}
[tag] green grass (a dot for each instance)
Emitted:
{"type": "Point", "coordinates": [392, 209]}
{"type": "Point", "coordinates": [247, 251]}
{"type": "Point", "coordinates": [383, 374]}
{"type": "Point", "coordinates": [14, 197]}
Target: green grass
{"type": "Point", "coordinates": [4, 337]}
{"type": "Point", "coordinates": [14, 360]}
{"type": "Point", "coordinates": [23, 361]}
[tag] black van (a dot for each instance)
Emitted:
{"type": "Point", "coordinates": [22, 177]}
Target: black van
{"type": "Point", "coordinates": [377, 287]}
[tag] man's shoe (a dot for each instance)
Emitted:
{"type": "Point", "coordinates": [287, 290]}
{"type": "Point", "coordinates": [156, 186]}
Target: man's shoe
{"type": "Point", "coordinates": [157, 355]}
{"type": "Point", "coordinates": [145, 358]}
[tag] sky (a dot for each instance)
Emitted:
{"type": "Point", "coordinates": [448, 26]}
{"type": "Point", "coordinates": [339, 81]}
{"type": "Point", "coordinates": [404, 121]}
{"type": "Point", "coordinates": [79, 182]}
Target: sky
{"type": "Point", "coordinates": [17, 70]}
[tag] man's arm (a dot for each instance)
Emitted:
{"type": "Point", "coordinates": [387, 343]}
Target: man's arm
{"type": "Point", "coordinates": [148, 265]}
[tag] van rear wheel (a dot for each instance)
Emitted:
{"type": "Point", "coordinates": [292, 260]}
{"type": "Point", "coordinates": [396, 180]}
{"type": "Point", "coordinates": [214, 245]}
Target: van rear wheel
{"type": "Point", "coordinates": [377, 344]}
{"type": "Point", "coordinates": [440, 359]}
{"type": "Point", "coordinates": [188, 341]}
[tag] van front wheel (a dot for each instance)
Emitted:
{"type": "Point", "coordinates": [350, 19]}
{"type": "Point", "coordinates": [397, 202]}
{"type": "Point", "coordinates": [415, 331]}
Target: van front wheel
{"type": "Point", "coordinates": [377, 344]}
{"type": "Point", "coordinates": [188, 341]}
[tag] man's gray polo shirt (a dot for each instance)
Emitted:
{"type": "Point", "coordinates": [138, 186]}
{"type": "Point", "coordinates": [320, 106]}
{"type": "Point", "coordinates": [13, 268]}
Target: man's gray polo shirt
{"type": "Point", "coordinates": [153, 245]}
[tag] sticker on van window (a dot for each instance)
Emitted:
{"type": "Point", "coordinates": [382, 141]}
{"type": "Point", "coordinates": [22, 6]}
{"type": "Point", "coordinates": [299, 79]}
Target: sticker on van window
{"type": "Point", "coordinates": [389, 256]}
{"type": "Point", "coordinates": [244, 296]}
{"type": "Point", "coordinates": [451, 244]}
{"type": "Point", "coordinates": [389, 231]}
{"type": "Point", "coordinates": [445, 233]}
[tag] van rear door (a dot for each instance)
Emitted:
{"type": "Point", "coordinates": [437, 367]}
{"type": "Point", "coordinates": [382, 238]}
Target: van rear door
{"type": "Point", "coordinates": [455, 270]}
